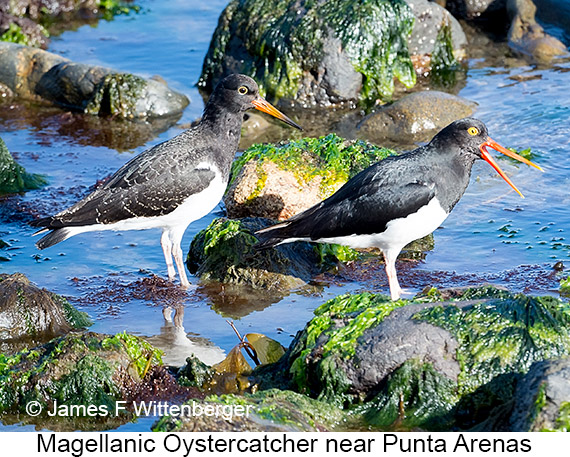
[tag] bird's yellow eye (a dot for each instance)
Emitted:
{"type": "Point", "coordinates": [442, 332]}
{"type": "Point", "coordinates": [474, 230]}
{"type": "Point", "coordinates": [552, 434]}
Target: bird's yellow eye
{"type": "Point", "coordinates": [473, 131]}
{"type": "Point", "coordinates": [243, 90]}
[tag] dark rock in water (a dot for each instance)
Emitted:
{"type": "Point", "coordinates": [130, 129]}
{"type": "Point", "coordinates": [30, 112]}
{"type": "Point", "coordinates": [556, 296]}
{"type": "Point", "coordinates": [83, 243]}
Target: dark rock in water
{"type": "Point", "coordinates": [279, 181]}
{"type": "Point", "coordinates": [328, 52]}
{"type": "Point", "coordinates": [29, 314]}
{"type": "Point", "coordinates": [224, 252]}
{"type": "Point", "coordinates": [414, 118]}
{"type": "Point", "coordinates": [13, 177]}
{"type": "Point", "coordinates": [472, 9]}
{"type": "Point", "coordinates": [39, 75]}
{"type": "Point", "coordinates": [414, 364]}
{"type": "Point", "coordinates": [542, 398]}
{"type": "Point", "coordinates": [76, 371]}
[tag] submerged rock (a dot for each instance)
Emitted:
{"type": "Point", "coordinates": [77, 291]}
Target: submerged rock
{"type": "Point", "coordinates": [39, 75]}
{"type": "Point", "coordinates": [328, 52]}
{"type": "Point", "coordinates": [414, 118]}
{"type": "Point", "coordinates": [13, 177]}
{"type": "Point", "coordinates": [29, 315]}
{"type": "Point", "coordinates": [423, 364]}
{"type": "Point", "coordinates": [279, 181]}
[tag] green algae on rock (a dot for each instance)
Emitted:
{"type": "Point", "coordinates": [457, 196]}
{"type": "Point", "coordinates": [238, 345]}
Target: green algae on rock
{"type": "Point", "coordinates": [224, 252]}
{"type": "Point", "coordinates": [352, 354]}
{"type": "Point", "coordinates": [13, 177]}
{"type": "Point", "coordinates": [77, 369]}
{"type": "Point", "coordinates": [278, 43]}
{"type": "Point", "coordinates": [117, 94]}
{"type": "Point", "coordinates": [279, 181]}
{"type": "Point", "coordinates": [268, 410]}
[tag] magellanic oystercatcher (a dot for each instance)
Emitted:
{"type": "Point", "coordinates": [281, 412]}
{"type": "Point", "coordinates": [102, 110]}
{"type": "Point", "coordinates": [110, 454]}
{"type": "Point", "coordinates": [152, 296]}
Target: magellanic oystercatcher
{"type": "Point", "coordinates": [172, 184]}
{"type": "Point", "coordinates": [398, 200]}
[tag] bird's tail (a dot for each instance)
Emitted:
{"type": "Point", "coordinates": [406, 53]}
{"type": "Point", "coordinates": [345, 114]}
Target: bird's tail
{"type": "Point", "coordinates": [53, 237]}
{"type": "Point", "coordinates": [272, 236]}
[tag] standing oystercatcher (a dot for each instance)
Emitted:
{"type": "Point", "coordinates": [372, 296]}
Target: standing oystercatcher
{"type": "Point", "coordinates": [398, 200]}
{"type": "Point", "coordinates": [172, 184]}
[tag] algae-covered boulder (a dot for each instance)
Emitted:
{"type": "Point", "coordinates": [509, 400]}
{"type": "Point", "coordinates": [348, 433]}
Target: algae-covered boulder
{"type": "Point", "coordinates": [279, 181]}
{"type": "Point", "coordinates": [13, 177]}
{"type": "Point", "coordinates": [39, 75]}
{"type": "Point", "coordinates": [415, 117]}
{"type": "Point", "coordinates": [420, 364]}
{"type": "Point", "coordinates": [328, 52]}
{"type": "Point", "coordinates": [87, 370]}
{"type": "Point", "coordinates": [29, 314]}
{"type": "Point", "coordinates": [224, 252]}
{"type": "Point", "coordinates": [266, 411]}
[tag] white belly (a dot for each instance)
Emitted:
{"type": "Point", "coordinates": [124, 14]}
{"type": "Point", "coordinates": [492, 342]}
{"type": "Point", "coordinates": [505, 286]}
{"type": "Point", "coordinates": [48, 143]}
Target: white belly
{"type": "Point", "coordinates": [399, 232]}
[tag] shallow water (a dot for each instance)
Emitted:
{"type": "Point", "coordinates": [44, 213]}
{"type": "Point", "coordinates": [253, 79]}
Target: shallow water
{"type": "Point", "coordinates": [492, 235]}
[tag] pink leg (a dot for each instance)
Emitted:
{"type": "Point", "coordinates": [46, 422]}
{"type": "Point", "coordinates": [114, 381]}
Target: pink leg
{"type": "Point", "coordinates": [167, 250]}
{"type": "Point", "coordinates": [390, 259]}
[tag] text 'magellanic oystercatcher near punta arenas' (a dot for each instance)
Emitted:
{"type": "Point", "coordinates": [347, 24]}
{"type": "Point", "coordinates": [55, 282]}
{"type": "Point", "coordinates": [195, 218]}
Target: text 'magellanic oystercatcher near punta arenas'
{"type": "Point", "coordinates": [397, 200]}
{"type": "Point", "coordinates": [172, 184]}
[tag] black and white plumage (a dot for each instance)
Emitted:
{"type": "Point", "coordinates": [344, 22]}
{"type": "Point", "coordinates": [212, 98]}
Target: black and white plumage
{"type": "Point", "coordinates": [397, 200]}
{"type": "Point", "coordinates": [172, 184]}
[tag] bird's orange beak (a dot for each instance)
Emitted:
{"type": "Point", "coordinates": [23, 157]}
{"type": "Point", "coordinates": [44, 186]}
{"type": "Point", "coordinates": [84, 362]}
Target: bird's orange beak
{"type": "Point", "coordinates": [263, 105]}
{"type": "Point", "coordinates": [489, 159]}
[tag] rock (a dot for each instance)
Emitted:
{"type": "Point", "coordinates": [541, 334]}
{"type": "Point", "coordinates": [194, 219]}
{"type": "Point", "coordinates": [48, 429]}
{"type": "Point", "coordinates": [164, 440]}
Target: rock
{"type": "Point", "coordinates": [279, 181]}
{"type": "Point", "coordinates": [224, 252]}
{"type": "Point", "coordinates": [74, 370]}
{"type": "Point", "coordinates": [22, 21]}
{"type": "Point", "coordinates": [39, 75]}
{"type": "Point", "coordinates": [13, 177]}
{"type": "Point", "coordinates": [329, 52]}
{"type": "Point", "coordinates": [414, 118]}
{"type": "Point", "coordinates": [418, 364]}
{"type": "Point", "coordinates": [471, 9]}
{"type": "Point", "coordinates": [527, 36]}
{"type": "Point", "coordinates": [28, 313]}
{"type": "Point", "coordinates": [542, 398]}
{"type": "Point", "coordinates": [267, 411]}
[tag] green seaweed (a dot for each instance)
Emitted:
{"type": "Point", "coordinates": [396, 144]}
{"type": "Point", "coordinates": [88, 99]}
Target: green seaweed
{"type": "Point", "coordinates": [74, 370]}
{"type": "Point", "coordinates": [116, 95]}
{"type": "Point", "coordinates": [331, 157]}
{"type": "Point", "coordinates": [331, 254]}
{"type": "Point", "coordinates": [565, 286]}
{"type": "Point", "coordinates": [563, 420]}
{"type": "Point", "coordinates": [360, 312]}
{"type": "Point", "coordinates": [283, 44]}
{"type": "Point", "coordinates": [76, 319]}
{"type": "Point", "coordinates": [141, 353]}
{"type": "Point", "coordinates": [502, 333]}
{"type": "Point", "coordinates": [444, 66]}
{"type": "Point", "coordinates": [13, 177]}
{"type": "Point", "coordinates": [195, 373]}
{"type": "Point", "coordinates": [14, 34]}
{"type": "Point", "coordinates": [413, 395]}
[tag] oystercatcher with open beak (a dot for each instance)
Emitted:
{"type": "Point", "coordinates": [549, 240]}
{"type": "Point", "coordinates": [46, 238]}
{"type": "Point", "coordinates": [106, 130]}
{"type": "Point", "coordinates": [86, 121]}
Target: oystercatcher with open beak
{"type": "Point", "coordinates": [172, 184]}
{"type": "Point", "coordinates": [397, 200]}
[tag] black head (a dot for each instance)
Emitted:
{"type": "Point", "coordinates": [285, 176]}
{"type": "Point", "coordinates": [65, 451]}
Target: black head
{"type": "Point", "coordinates": [463, 137]}
{"type": "Point", "coordinates": [238, 93]}
{"type": "Point", "coordinates": [469, 139]}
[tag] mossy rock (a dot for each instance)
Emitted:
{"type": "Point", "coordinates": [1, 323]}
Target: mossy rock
{"type": "Point", "coordinates": [413, 364]}
{"type": "Point", "coordinates": [13, 177]}
{"type": "Point", "coordinates": [224, 252]}
{"type": "Point", "coordinates": [30, 315]}
{"type": "Point", "coordinates": [77, 369]}
{"type": "Point", "coordinates": [326, 52]}
{"type": "Point", "coordinates": [269, 410]}
{"type": "Point", "coordinates": [281, 180]}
